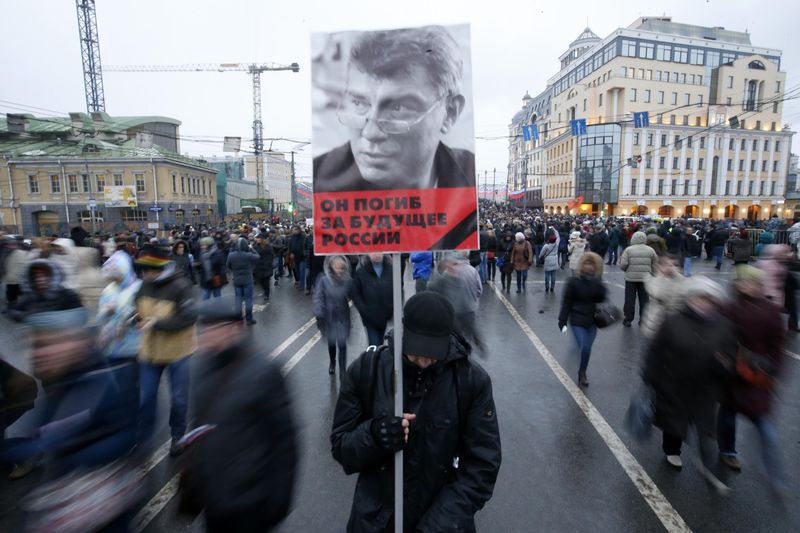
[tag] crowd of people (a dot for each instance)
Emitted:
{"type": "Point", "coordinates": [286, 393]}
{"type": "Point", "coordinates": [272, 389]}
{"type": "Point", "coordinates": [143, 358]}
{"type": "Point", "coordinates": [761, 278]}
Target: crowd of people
{"type": "Point", "coordinates": [101, 344]}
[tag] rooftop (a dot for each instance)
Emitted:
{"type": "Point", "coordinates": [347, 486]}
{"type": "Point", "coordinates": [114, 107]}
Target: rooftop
{"type": "Point", "coordinates": [82, 122]}
{"type": "Point", "coordinates": [714, 33]}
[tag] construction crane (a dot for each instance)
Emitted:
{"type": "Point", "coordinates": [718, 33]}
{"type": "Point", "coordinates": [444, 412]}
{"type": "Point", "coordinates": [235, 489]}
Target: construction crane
{"type": "Point", "coordinates": [254, 69]}
{"type": "Point", "coordinates": [90, 55]}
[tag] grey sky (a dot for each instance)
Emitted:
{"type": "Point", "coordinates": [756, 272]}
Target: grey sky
{"type": "Point", "coordinates": [515, 47]}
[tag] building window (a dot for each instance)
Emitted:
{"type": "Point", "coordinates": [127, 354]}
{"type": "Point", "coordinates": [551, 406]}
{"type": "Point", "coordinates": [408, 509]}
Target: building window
{"type": "Point", "coordinates": [730, 84]}
{"type": "Point", "coordinates": [701, 163]}
{"type": "Point", "coordinates": [702, 142]}
{"type": "Point", "coordinates": [675, 163]}
{"type": "Point", "coordinates": [777, 87]}
{"type": "Point", "coordinates": [647, 96]}
{"type": "Point", "coordinates": [686, 188]}
{"type": "Point", "coordinates": [772, 188]}
{"type": "Point", "coordinates": [696, 57]}
{"type": "Point", "coordinates": [682, 77]}
{"type": "Point", "coordinates": [663, 139]}
{"type": "Point", "coordinates": [730, 165]}
{"type": "Point", "coordinates": [133, 215]}
{"type": "Point", "coordinates": [766, 145]}
{"type": "Point", "coordinates": [599, 100]}
{"type": "Point", "coordinates": [204, 186]}
{"type": "Point", "coordinates": [777, 146]}
{"type": "Point", "coordinates": [633, 95]}
{"type": "Point", "coordinates": [739, 188]}
{"type": "Point", "coordinates": [688, 163]}
{"type": "Point", "coordinates": [183, 184]}
{"type": "Point", "coordinates": [673, 190]}
{"type": "Point", "coordinates": [72, 180]}
{"type": "Point", "coordinates": [87, 185]}
{"type": "Point", "coordinates": [648, 161]}
{"type": "Point", "coordinates": [775, 166]}
{"type": "Point", "coordinates": [660, 187]}
{"type": "Point", "coordinates": [678, 141]}
{"type": "Point", "coordinates": [662, 162]}
{"type": "Point", "coordinates": [584, 104]}
{"type": "Point", "coordinates": [697, 122]}
{"type": "Point", "coordinates": [628, 48]}
{"type": "Point", "coordinates": [140, 183]}
{"type": "Point", "coordinates": [660, 97]}
{"type": "Point", "coordinates": [663, 52]}
{"type": "Point", "coordinates": [728, 101]}
{"type": "Point", "coordinates": [752, 165]}
{"type": "Point", "coordinates": [33, 184]}
{"type": "Point", "coordinates": [685, 120]}
{"type": "Point", "coordinates": [731, 144]}
{"type": "Point", "coordinates": [118, 182]}
{"type": "Point", "coordinates": [699, 187]}
{"type": "Point", "coordinates": [727, 187]}
{"type": "Point", "coordinates": [699, 99]}
{"type": "Point", "coordinates": [741, 165]}
{"type": "Point", "coordinates": [636, 139]}
{"type": "Point", "coordinates": [633, 186]}
{"type": "Point", "coordinates": [100, 179]}
{"type": "Point", "coordinates": [764, 166]}
{"type": "Point", "coordinates": [647, 186]}
{"type": "Point", "coordinates": [174, 184]}
{"type": "Point", "coordinates": [762, 187]}
{"type": "Point", "coordinates": [743, 146]}
{"type": "Point", "coordinates": [649, 139]}
{"type": "Point", "coordinates": [672, 119]}
{"type": "Point", "coordinates": [752, 91]}
{"type": "Point", "coordinates": [646, 50]}
{"type": "Point", "coordinates": [680, 54]}
{"type": "Point", "coordinates": [750, 188]}
{"type": "Point", "coordinates": [674, 77]}
{"type": "Point", "coordinates": [755, 145]}
{"type": "Point", "coordinates": [674, 99]}
{"type": "Point", "coordinates": [687, 99]}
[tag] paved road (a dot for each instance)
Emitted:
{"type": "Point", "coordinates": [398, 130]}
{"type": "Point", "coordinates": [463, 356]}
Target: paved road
{"type": "Point", "coordinates": [568, 464]}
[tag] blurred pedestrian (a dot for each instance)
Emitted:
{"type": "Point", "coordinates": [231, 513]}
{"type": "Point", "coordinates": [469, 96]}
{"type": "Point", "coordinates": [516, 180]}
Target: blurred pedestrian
{"type": "Point", "coordinates": [262, 273]}
{"type": "Point", "coordinates": [741, 248]}
{"type": "Point", "coordinates": [684, 366]}
{"type": "Point", "coordinates": [691, 250]}
{"type": "Point", "coordinates": [332, 309]}
{"type": "Point", "coordinates": [242, 471]}
{"type": "Point", "coordinates": [449, 420]}
{"type": "Point", "coordinates": [43, 290]}
{"type": "Point", "coordinates": [638, 261]}
{"type": "Point", "coordinates": [505, 248]}
{"type": "Point", "coordinates": [666, 294]}
{"type": "Point", "coordinates": [759, 361]}
{"type": "Point", "coordinates": [15, 267]}
{"type": "Point", "coordinates": [460, 285]}
{"type": "Point", "coordinates": [583, 292]}
{"type": "Point", "coordinates": [372, 295]}
{"type": "Point", "coordinates": [211, 268]}
{"type": "Point", "coordinates": [166, 315]}
{"type": "Point", "coordinates": [184, 261]}
{"type": "Point", "coordinates": [422, 269]}
{"type": "Point", "coordinates": [576, 248]}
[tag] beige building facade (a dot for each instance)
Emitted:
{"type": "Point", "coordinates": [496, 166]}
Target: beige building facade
{"type": "Point", "coordinates": [715, 147]}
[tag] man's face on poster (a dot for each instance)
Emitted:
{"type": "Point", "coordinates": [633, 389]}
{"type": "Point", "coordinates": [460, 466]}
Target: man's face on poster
{"type": "Point", "coordinates": [403, 119]}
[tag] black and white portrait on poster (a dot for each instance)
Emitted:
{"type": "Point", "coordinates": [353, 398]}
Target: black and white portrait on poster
{"type": "Point", "coordinates": [393, 141]}
{"type": "Point", "coordinates": [393, 109]}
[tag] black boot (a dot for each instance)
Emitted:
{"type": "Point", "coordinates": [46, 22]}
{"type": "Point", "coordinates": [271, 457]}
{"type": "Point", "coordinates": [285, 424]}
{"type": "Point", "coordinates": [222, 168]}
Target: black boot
{"type": "Point", "coordinates": [332, 367]}
{"type": "Point", "coordinates": [582, 381]}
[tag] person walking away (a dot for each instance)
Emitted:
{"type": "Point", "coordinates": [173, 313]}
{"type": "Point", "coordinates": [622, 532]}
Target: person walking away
{"type": "Point", "coordinates": [717, 240]}
{"type": "Point", "coordinates": [279, 248]}
{"type": "Point", "coordinates": [584, 291]}
{"type": "Point", "coordinates": [666, 294]}
{"type": "Point", "coordinates": [537, 239]}
{"type": "Point", "coordinates": [66, 257]}
{"type": "Point", "coordinates": [563, 247]}
{"type": "Point", "coordinates": [491, 252]}
{"type": "Point", "coordinates": [449, 420]}
{"type": "Point", "coordinates": [506, 249]}
{"type": "Point", "coordinates": [166, 313]}
{"type": "Point", "coordinates": [674, 240]}
{"type": "Point", "coordinates": [750, 390]}
{"type": "Point", "coordinates": [422, 268]}
{"type": "Point", "coordinates": [613, 245]}
{"type": "Point", "coordinates": [684, 365]}
{"type": "Point", "coordinates": [691, 249]}
{"type": "Point", "coordinates": [765, 239]}
{"type": "Point", "coordinates": [655, 241]}
{"type": "Point", "coordinates": [211, 268]}
{"type": "Point", "coordinates": [576, 248]}
{"type": "Point", "coordinates": [549, 257]}
{"type": "Point", "coordinates": [638, 261]}
{"type": "Point", "coordinates": [262, 273]}
{"type": "Point", "coordinates": [372, 295]}
{"type": "Point", "coordinates": [297, 253]}
{"type": "Point", "coordinates": [184, 261]}
{"type": "Point", "coordinates": [241, 264]}
{"type": "Point", "coordinates": [245, 468]}
{"type": "Point", "coordinates": [598, 241]}
{"type": "Point", "coordinates": [741, 248]}
{"type": "Point", "coordinates": [332, 309]}
{"type": "Point", "coordinates": [483, 248]}
{"type": "Point", "coordinates": [460, 285]}
{"type": "Point", "coordinates": [521, 259]}
{"type": "Point", "coordinates": [773, 262]}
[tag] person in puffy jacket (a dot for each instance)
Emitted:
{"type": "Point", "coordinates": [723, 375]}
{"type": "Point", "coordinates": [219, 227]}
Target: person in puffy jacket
{"type": "Point", "coordinates": [448, 432]}
{"type": "Point", "coordinates": [332, 309]}
{"type": "Point", "coordinates": [577, 247]}
{"type": "Point", "coordinates": [521, 258]}
{"type": "Point", "coordinates": [638, 261]}
{"type": "Point", "coordinates": [241, 263]}
{"type": "Point", "coordinates": [422, 269]}
{"type": "Point", "coordinates": [549, 257]}
{"type": "Point", "coordinates": [741, 248]}
{"type": "Point", "coordinates": [584, 291]}
{"type": "Point", "coordinates": [65, 255]}
{"type": "Point", "coordinates": [666, 294]}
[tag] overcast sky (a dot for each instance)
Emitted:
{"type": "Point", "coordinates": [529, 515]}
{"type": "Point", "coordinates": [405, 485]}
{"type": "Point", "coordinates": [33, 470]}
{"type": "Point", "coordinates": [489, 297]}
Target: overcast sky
{"type": "Point", "coordinates": [515, 47]}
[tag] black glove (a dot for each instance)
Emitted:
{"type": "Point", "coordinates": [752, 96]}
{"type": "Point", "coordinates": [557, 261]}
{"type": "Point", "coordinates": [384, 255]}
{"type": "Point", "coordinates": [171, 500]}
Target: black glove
{"type": "Point", "coordinates": [561, 325]}
{"type": "Point", "coordinates": [388, 433]}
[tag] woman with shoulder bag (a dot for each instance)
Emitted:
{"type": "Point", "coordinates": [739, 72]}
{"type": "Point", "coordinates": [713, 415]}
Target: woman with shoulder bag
{"type": "Point", "coordinates": [584, 292]}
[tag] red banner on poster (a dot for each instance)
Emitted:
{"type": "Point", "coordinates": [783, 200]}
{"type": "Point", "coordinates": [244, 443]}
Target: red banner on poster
{"type": "Point", "coordinates": [358, 222]}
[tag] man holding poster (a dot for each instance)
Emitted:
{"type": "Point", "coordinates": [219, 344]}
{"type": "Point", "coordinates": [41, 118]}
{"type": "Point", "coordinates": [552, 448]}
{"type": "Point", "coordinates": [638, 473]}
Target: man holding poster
{"type": "Point", "coordinates": [394, 165]}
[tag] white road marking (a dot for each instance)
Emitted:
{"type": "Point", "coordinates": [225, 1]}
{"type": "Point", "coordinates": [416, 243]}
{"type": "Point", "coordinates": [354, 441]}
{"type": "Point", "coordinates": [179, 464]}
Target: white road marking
{"type": "Point", "coordinates": [155, 458]}
{"type": "Point", "coordinates": [667, 514]}
{"type": "Point", "coordinates": [168, 491]}
{"type": "Point", "coordinates": [792, 354]}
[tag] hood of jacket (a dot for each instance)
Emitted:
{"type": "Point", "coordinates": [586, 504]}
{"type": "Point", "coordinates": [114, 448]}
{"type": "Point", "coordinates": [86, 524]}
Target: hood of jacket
{"type": "Point", "coordinates": [638, 238]}
{"type": "Point", "coordinates": [67, 244]}
{"type": "Point", "coordinates": [119, 266]}
{"type": "Point", "coordinates": [56, 275]}
{"type": "Point", "coordinates": [327, 268]}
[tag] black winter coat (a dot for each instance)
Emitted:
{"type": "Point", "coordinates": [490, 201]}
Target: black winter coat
{"type": "Point", "coordinates": [580, 301]}
{"type": "Point", "coordinates": [681, 366]}
{"type": "Point", "coordinates": [372, 295]}
{"type": "Point", "coordinates": [598, 242]}
{"type": "Point", "coordinates": [437, 496]}
{"type": "Point", "coordinates": [247, 465]}
{"type": "Point", "coordinates": [266, 255]}
{"type": "Point", "coordinates": [297, 246]}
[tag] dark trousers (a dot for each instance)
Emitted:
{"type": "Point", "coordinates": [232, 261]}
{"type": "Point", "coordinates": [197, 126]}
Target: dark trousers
{"type": "Point", "coordinates": [342, 344]}
{"type": "Point", "coordinates": [671, 444]}
{"type": "Point", "coordinates": [12, 293]}
{"type": "Point", "coordinates": [264, 282]}
{"type": "Point", "coordinates": [632, 290]}
{"type": "Point", "coordinates": [375, 334]}
{"type": "Point", "coordinates": [613, 254]}
{"type": "Point", "coordinates": [492, 268]}
{"type": "Point", "coordinates": [505, 279]}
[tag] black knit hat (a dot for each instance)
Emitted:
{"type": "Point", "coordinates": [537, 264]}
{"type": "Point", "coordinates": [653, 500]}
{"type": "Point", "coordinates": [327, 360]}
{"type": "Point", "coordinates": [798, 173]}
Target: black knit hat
{"type": "Point", "coordinates": [427, 322]}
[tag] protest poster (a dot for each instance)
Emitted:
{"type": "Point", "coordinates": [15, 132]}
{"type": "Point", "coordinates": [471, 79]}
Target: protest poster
{"type": "Point", "coordinates": [393, 141]}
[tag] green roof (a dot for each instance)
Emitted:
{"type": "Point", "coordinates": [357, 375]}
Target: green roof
{"type": "Point", "coordinates": [64, 124]}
